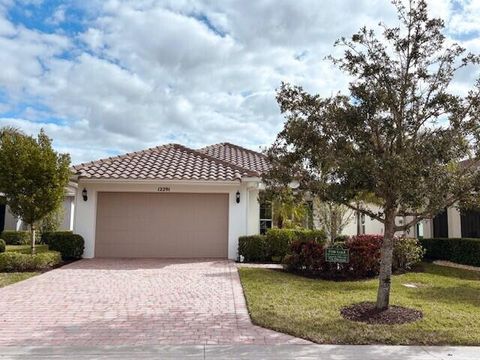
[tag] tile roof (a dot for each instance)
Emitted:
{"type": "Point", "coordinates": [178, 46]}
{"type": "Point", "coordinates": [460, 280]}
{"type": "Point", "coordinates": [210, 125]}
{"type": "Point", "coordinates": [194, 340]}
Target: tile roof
{"type": "Point", "coordinates": [237, 155]}
{"type": "Point", "coordinates": [166, 162]}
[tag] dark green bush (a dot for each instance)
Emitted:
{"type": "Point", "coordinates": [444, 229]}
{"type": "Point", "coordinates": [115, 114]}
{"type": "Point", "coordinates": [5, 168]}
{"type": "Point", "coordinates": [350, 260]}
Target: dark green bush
{"type": "Point", "coordinates": [305, 235]}
{"type": "Point", "coordinates": [12, 237]}
{"type": "Point", "coordinates": [275, 244]}
{"type": "Point", "coordinates": [252, 248]}
{"type": "Point", "coordinates": [46, 236]}
{"type": "Point", "coordinates": [278, 241]}
{"type": "Point", "coordinates": [18, 262]}
{"type": "Point", "coordinates": [459, 250]}
{"type": "Point", "coordinates": [2, 246]}
{"type": "Point", "coordinates": [68, 244]}
{"type": "Point", "coordinates": [341, 238]}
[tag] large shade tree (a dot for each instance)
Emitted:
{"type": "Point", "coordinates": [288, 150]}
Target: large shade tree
{"type": "Point", "coordinates": [33, 176]}
{"type": "Point", "coordinates": [400, 134]}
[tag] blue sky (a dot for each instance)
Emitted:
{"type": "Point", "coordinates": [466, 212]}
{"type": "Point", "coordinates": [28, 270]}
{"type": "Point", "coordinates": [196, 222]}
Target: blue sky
{"type": "Point", "coordinates": [109, 76]}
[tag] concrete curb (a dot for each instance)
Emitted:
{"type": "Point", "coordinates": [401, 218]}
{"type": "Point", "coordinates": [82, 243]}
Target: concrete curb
{"type": "Point", "coordinates": [324, 352]}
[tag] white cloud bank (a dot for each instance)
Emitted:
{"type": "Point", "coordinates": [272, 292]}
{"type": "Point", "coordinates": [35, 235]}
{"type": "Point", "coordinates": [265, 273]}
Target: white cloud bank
{"type": "Point", "coordinates": [147, 72]}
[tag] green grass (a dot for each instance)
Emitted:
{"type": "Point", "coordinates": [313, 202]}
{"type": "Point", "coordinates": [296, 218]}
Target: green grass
{"type": "Point", "coordinates": [10, 278]}
{"type": "Point", "coordinates": [25, 249]}
{"type": "Point", "coordinates": [309, 308]}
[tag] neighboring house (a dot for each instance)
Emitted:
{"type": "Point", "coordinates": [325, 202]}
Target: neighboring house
{"type": "Point", "coordinates": [363, 224]}
{"type": "Point", "coordinates": [9, 222]}
{"type": "Point", "coordinates": [453, 223]}
{"type": "Point", "coordinates": [169, 201]}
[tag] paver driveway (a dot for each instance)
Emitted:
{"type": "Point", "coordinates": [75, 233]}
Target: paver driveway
{"type": "Point", "coordinates": [131, 302]}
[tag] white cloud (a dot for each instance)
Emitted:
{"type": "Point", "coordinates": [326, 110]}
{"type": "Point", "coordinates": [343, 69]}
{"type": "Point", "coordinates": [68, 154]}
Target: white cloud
{"type": "Point", "coordinates": [145, 72]}
{"type": "Point", "coordinates": [466, 20]}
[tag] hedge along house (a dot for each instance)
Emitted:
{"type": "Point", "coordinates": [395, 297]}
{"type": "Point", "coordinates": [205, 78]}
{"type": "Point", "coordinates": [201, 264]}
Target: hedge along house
{"type": "Point", "coordinates": [169, 201]}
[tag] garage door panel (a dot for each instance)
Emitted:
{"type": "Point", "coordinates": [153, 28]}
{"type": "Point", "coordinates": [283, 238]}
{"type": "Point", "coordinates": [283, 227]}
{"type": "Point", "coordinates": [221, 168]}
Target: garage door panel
{"type": "Point", "coordinates": [161, 225]}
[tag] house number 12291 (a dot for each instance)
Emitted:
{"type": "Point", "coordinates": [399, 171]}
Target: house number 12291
{"type": "Point", "coordinates": [163, 189]}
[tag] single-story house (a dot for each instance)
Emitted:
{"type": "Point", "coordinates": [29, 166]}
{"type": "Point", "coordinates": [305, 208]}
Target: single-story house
{"type": "Point", "coordinates": [173, 201]}
{"type": "Point", "coordinates": [169, 201]}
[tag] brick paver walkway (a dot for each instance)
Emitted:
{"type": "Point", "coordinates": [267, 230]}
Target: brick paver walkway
{"type": "Point", "coordinates": [131, 302]}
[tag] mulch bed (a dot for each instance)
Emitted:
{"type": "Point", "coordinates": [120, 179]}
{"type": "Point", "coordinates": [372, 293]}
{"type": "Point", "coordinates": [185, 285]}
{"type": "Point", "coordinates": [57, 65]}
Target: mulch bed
{"type": "Point", "coordinates": [367, 312]}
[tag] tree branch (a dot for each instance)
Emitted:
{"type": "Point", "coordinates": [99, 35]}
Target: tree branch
{"type": "Point", "coordinates": [365, 211]}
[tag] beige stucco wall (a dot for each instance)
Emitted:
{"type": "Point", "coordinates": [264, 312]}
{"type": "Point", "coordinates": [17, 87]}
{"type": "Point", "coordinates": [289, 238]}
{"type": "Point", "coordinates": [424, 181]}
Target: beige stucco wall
{"type": "Point", "coordinates": [372, 226]}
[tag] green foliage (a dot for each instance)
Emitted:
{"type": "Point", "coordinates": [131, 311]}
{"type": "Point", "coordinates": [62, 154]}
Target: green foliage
{"type": "Point", "coordinates": [400, 133]}
{"type": "Point", "coordinates": [252, 248]}
{"type": "Point", "coordinates": [407, 252]}
{"type": "Point", "coordinates": [33, 176]}
{"type": "Point", "coordinates": [364, 257]}
{"type": "Point", "coordinates": [289, 210]}
{"type": "Point", "coordinates": [13, 237]}
{"type": "Point", "coordinates": [70, 245]}
{"type": "Point", "coordinates": [459, 250]}
{"type": "Point", "coordinates": [26, 249]}
{"type": "Point", "coordinates": [341, 238]}
{"type": "Point", "coordinates": [310, 309]}
{"type": "Point", "coordinates": [273, 246]}
{"type": "Point", "coordinates": [2, 245]}
{"type": "Point", "coordinates": [46, 236]}
{"type": "Point", "coordinates": [384, 138]}
{"type": "Point", "coordinates": [18, 262]}
{"type": "Point", "coordinates": [279, 240]}
{"type": "Point", "coordinates": [52, 221]}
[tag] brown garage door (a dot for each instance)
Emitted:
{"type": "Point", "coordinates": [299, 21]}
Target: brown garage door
{"type": "Point", "coordinates": [161, 225]}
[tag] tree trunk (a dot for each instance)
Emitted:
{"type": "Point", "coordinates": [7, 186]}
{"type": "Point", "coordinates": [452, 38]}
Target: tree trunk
{"type": "Point", "coordinates": [32, 238]}
{"type": "Point", "coordinates": [334, 225]}
{"type": "Point", "coordinates": [386, 257]}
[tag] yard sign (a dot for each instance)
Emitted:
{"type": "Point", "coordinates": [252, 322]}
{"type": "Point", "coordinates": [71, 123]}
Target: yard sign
{"type": "Point", "coordinates": [337, 255]}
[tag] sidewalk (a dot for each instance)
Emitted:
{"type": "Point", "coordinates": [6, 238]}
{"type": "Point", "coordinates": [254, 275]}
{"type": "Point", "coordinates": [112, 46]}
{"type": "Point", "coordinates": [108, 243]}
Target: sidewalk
{"type": "Point", "coordinates": [271, 352]}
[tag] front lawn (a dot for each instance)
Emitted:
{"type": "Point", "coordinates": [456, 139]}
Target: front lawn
{"type": "Point", "coordinates": [308, 308]}
{"type": "Point", "coordinates": [10, 278]}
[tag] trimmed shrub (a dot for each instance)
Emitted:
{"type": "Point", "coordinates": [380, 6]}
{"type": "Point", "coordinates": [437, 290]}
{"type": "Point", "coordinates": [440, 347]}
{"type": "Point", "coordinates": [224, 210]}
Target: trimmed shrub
{"type": "Point", "coordinates": [341, 238]}
{"type": "Point", "coordinates": [12, 237]}
{"type": "Point", "coordinates": [278, 241]}
{"type": "Point", "coordinates": [407, 252]}
{"type": "Point", "coordinates": [273, 246]}
{"type": "Point", "coordinates": [2, 246]}
{"type": "Point", "coordinates": [70, 245]}
{"type": "Point", "coordinates": [364, 257]}
{"type": "Point", "coordinates": [307, 257]}
{"type": "Point", "coordinates": [18, 262]}
{"type": "Point", "coordinates": [46, 236]}
{"type": "Point", "coordinates": [459, 250]}
{"type": "Point", "coordinates": [305, 235]}
{"type": "Point", "coordinates": [252, 248]}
